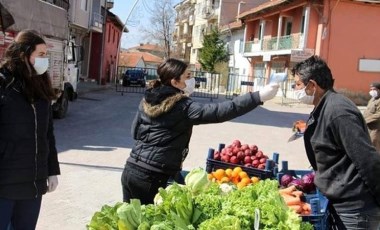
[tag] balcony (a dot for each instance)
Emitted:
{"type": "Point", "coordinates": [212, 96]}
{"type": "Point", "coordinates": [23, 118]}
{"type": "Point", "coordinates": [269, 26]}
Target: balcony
{"type": "Point", "coordinates": [210, 12]}
{"type": "Point", "coordinates": [282, 43]}
{"type": "Point", "coordinates": [60, 3]}
{"type": "Point", "coordinates": [97, 22]}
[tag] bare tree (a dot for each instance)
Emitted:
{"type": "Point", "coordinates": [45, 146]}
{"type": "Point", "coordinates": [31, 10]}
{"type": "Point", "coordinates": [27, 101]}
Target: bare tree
{"type": "Point", "coordinates": [161, 25]}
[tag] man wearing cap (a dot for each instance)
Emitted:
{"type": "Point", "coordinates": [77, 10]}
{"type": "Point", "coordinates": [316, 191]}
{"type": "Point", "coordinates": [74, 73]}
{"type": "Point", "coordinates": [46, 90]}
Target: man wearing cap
{"type": "Point", "coordinates": [372, 115]}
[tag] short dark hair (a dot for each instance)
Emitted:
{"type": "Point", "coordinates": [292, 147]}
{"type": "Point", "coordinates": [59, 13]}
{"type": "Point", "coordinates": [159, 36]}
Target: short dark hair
{"type": "Point", "coordinates": [314, 68]}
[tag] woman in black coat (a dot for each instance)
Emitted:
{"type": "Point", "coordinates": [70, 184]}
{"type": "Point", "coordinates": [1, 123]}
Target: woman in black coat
{"type": "Point", "coordinates": [163, 125]}
{"type": "Point", "coordinates": [28, 156]}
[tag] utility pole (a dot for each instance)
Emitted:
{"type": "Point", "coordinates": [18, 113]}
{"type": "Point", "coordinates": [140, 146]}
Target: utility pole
{"type": "Point", "coordinates": [122, 30]}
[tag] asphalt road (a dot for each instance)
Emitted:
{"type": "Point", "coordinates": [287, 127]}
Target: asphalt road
{"type": "Point", "coordinates": [94, 141]}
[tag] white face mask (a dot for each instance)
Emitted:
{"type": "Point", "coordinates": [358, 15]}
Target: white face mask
{"type": "Point", "coordinates": [373, 93]}
{"type": "Point", "coordinates": [41, 65]}
{"type": "Point", "coordinates": [190, 85]}
{"type": "Point", "coordinates": [303, 97]}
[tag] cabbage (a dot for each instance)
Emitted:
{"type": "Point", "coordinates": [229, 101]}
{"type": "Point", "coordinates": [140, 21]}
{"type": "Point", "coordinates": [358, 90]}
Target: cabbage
{"type": "Point", "coordinates": [298, 183]}
{"type": "Point", "coordinates": [308, 182]}
{"type": "Point", "coordinates": [197, 180]}
{"type": "Point", "coordinates": [286, 179]}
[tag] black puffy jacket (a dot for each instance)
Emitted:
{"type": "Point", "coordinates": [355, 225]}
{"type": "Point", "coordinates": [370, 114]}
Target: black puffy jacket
{"type": "Point", "coordinates": [163, 125]}
{"type": "Point", "coordinates": [27, 145]}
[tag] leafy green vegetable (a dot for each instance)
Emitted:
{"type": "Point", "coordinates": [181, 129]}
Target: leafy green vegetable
{"type": "Point", "coordinates": [197, 180]}
{"type": "Point", "coordinates": [105, 219]}
{"type": "Point", "coordinates": [225, 222]}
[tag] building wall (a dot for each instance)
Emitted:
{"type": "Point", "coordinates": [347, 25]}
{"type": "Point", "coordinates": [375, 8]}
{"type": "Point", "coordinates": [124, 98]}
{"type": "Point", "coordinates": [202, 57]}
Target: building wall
{"type": "Point", "coordinates": [96, 53]}
{"type": "Point", "coordinates": [111, 44]}
{"type": "Point", "coordinates": [80, 12]}
{"type": "Point", "coordinates": [353, 34]}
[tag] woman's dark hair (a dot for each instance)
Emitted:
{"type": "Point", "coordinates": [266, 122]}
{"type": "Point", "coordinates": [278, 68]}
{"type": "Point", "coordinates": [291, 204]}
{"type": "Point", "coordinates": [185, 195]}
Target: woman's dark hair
{"type": "Point", "coordinates": [314, 68]}
{"type": "Point", "coordinates": [16, 61]}
{"type": "Point", "coordinates": [168, 70]}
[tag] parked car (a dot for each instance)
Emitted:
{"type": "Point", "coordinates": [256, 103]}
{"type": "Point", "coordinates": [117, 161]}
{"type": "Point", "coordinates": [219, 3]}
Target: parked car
{"type": "Point", "coordinates": [134, 77]}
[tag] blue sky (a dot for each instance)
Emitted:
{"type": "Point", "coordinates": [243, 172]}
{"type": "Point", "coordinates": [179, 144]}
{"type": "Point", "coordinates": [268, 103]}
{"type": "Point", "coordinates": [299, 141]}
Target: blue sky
{"type": "Point", "coordinates": [139, 17]}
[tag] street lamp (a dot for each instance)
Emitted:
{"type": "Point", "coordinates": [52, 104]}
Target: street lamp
{"type": "Point", "coordinates": [122, 30]}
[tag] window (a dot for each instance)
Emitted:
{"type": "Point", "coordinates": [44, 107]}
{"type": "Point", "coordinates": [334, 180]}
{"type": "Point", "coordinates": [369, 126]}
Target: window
{"type": "Point", "coordinates": [60, 3]}
{"type": "Point", "coordinates": [109, 34]}
{"type": "Point", "coordinates": [83, 5]}
{"type": "Point", "coordinates": [288, 28]}
{"type": "Point", "coordinates": [241, 46]}
{"type": "Point", "coordinates": [114, 34]}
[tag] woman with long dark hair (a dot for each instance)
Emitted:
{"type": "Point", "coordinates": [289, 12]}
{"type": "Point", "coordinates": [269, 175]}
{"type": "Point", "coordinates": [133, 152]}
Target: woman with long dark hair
{"type": "Point", "coordinates": [28, 156]}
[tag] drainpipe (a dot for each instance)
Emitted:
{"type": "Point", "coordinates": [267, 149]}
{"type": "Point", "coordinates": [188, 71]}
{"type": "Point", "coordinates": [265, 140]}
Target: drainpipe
{"type": "Point", "coordinates": [103, 41]}
{"type": "Point", "coordinates": [306, 27]}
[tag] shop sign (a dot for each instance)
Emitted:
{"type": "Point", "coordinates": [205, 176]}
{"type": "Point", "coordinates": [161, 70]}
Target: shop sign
{"type": "Point", "coordinates": [301, 55]}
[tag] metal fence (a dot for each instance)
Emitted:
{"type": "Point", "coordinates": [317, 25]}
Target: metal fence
{"type": "Point", "coordinates": [207, 84]}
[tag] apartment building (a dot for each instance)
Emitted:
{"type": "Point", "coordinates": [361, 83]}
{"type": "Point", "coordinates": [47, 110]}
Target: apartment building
{"type": "Point", "coordinates": [280, 33]}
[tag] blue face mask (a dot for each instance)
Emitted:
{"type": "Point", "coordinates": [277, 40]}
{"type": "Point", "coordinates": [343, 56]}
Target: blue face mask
{"type": "Point", "coordinates": [41, 64]}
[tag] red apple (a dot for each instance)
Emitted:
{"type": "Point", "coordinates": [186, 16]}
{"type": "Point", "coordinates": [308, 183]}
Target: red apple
{"type": "Point", "coordinates": [234, 160]}
{"type": "Point", "coordinates": [247, 152]}
{"type": "Point", "coordinates": [263, 160]}
{"type": "Point", "coordinates": [244, 147]}
{"type": "Point", "coordinates": [259, 154]}
{"type": "Point", "coordinates": [236, 143]}
{"type": "Point", "coordinates": [254, 148]}
{"type": "Point", "coordinates": [217, 155]}
{"type": "Point", "coordinates": [247, 159]}
{"type": "Point", "coordinates": [240, 155]}
{"type": "Point", "coordinates": [225, 158]}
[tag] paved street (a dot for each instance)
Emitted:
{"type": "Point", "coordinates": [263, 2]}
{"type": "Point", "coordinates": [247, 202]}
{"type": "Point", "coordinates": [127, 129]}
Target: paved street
{"type": "Point", "coordinates": [94, 141]}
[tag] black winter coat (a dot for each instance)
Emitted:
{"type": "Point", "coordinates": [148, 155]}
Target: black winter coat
{"type": "Point", "coordinates": [163, 125]}
{"type": "Point", "coordinates": [339, 149]}
{"type": "Point", "coordinates": [27, 145]}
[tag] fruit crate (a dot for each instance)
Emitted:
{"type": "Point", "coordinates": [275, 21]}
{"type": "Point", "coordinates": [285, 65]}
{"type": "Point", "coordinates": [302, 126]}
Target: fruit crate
{"type": "Point", "coordinates": [319, 211]}
{"type": "Point", "coordinates": [269, 172]}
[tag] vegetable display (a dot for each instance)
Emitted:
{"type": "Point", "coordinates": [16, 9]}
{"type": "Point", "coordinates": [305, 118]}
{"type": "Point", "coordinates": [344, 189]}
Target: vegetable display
{"type": "Point", "coordinates": [205, 206]}
{"type": "Point", "coordinates": [305, 183]}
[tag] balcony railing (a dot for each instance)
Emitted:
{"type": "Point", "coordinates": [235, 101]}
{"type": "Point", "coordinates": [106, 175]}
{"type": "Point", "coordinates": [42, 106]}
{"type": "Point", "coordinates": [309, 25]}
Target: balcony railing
{"type": "Point", "coordinates": [293, 41]}
{"type": "Point", "coordinates": [60, 3]}
{"type": "Point", "coordinates": [97, 20]}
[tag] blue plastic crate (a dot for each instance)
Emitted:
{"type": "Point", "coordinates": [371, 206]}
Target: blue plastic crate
{"type": "Point", "coordinates": [319, 211]}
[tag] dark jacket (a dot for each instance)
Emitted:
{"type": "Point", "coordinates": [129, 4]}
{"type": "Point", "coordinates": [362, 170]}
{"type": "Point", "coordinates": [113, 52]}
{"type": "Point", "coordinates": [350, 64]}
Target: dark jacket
{"type": "Point", "coordinates": [372, 118]}
{"type": "Point", "coordinates": [339, 149]}
{"type": "Point", "coordinates": [163, 125]}
{"type": "Point", "coordinates": [27, 145]}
